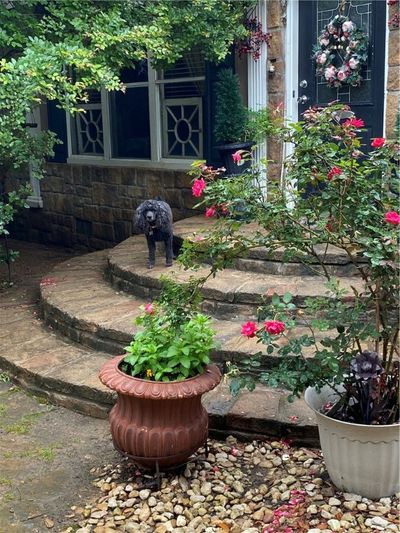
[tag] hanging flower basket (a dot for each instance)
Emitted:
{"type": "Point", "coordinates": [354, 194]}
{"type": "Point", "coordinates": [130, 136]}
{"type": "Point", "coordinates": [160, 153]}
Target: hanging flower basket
{"type": "Point", "coordinates": [341, 53]}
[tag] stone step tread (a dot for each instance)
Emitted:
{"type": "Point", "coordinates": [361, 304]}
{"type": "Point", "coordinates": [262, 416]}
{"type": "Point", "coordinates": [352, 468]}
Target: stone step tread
{"type": "Point", "coordinates": [198, 226]}
{"type": "Point", "coordinates": [108, 314]}
{"type": "Point", "coordinates": [128, 261]}
{"type": "Point", "coordinates": [66, 374]}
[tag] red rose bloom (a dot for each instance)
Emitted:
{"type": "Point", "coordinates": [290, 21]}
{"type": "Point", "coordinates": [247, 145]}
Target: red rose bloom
{"type": "Point", "coordinates": [198, 187]}
{"type": "Point", "coordinates": [274, 327]}
{"type": "Point", "coordinates": [249, 329]}
{"type": "Point", "coordinates": [378, 142]}
{"type": "Point", "coordinates": [334, 171]}
{"type": "Point", "coordinates": [392, 218]}
{"type": "Point", "coordinates": [210, 211]}
{"type": "Point", "coordinates": [354, 122]}
{"type": "Point", "coordinates": [149, 309]}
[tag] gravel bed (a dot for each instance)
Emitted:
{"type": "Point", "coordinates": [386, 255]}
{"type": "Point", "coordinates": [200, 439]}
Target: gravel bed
{"type": "Point", "coordinates": [266, 487]}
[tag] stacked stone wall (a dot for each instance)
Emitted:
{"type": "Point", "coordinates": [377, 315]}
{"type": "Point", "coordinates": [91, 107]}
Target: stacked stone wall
{"type": "Point", "coordinates": [393, 80]}
{"type": "Point", "coordinates": [93, 207]}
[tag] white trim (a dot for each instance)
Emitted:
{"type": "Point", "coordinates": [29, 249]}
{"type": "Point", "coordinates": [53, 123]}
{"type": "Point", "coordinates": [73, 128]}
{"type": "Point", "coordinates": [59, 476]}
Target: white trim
{"type": "Point", "coordinates": [386, 75]}
{"type": "Point", "coordinates": [257, 82]}
{"type": "Point", "coordinates": [291, 80]}
{"type": "Point", "coordinates": [167, 164]}
{"type": "Point", "coordinates": [292, 61]}
{"type": "Point", "coordinates": [35, 199]}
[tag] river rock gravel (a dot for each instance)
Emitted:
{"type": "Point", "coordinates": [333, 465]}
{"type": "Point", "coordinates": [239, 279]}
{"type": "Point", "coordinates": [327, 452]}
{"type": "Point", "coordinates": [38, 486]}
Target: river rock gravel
{"type": "Point", "coordinates": [265, 486]}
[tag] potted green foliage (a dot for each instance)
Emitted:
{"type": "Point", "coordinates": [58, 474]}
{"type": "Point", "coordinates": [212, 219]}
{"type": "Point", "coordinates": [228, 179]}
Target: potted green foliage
{"type": "Point", "coordinates": [158, 419]}
{"type": "Point", "coordinates": [337, 199]}
{"type": "Point", "coordinates": [230, 122]}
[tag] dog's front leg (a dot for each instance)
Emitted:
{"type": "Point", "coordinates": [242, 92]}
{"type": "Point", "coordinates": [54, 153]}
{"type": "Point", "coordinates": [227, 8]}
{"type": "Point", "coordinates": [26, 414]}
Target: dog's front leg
{"type": "Point", "coordinates": [168, 250]}
{"type": "Point", "coordinates": [151, 244]}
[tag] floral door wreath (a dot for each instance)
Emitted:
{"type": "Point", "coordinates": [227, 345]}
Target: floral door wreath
{"type": "Point", "coordinates": [341, 53]}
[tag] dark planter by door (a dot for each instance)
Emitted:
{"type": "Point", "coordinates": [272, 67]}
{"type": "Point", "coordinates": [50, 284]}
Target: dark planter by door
{"type": "Point", "coordinates": [157, 423]}
{"type": "Point", "coordinates": [227, 150]}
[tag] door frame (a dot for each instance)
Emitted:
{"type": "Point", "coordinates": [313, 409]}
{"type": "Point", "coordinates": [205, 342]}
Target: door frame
{"type": "Point", "coordinates": [292, 65]}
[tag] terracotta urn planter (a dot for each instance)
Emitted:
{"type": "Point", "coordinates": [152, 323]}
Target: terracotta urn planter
{"type": "Point", "coordinates": [158, 424]}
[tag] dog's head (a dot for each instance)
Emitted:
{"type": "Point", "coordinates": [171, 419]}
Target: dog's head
{"type": "Point", "coordinates": [151, 214]}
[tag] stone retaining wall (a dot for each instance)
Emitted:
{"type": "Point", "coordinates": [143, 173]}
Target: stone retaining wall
{"type": "Point", "coordinates": [393, 80]}
{"type": "Point", "coordinates": [93, 206]}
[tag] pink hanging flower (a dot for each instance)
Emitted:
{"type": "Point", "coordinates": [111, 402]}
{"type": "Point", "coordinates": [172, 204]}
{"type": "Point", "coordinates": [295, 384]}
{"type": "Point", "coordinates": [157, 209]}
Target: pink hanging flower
{"type": "Point", "coordinates": [210, 211]}
{"type": "Point", "coordinates": [237, 157]}
{"type": "Point", "coordinates": [249, 329]}
{"type": "Point", "coordinates": [378, 142]}
{"type": "Point", "coordinates": [149, 309]}
{"type": "Point", "coordinates": [392, 218]}
{"type": "Point", "coordinates": [274, 327]}
{"type": "Point", "coordinates": [198, 187]}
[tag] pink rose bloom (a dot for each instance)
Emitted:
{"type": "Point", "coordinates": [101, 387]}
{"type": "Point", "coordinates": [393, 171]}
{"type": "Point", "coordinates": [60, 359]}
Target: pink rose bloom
{"type": "Point", "coordinates": [149, 309]}
{"type": "Point", "coordinates": [330, 73]}
{"type": "Point", "coordinates": [392, 218]}
{"type": "Point", "coordinates": [378, 142]}
{"type": "Point", "coordinates": [198, 187]}
{"type": "Point", "coordinates": [321, 59]}
{"type": "Point", "coordinates": [210, 212]}
{"type": "Point", "coordinates": [347, 25]}
{"type": "Point", "coordinates": [353, 63]}
{"type": "Point", "coordinates": [354, 122]}
{"type": "Point", "coordinates": [249, 329]}
{"type": "Point", "coordinates": [237, 157]}
{"type": "Point", "coordinates": [334, 171]}
{"type": "Point", "coordinates": [331, 28]}
{"type": "Point", "coordinates": [274, 327]}
{"type": "Point", "coordinates": [342, 75]}
{"type": "Point", "coordinates": [324, 42]}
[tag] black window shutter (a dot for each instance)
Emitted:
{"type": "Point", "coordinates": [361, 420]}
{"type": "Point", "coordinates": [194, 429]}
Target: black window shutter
{"type": "Point", "coordinates": [211, 154]}
{"type": "Point", "coordinates": [58, 124]}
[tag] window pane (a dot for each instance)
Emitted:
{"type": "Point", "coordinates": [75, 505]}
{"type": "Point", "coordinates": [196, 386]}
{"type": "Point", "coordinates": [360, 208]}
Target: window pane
{"type": "Point", "coordinates": [130, 125]}
{"type": "Point", "coordinates": [88, 127]}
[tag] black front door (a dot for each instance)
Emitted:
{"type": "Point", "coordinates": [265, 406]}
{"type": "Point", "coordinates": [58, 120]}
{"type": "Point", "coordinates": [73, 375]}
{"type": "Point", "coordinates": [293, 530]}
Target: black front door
{"type": "Point", "coordinates": [366, 101]}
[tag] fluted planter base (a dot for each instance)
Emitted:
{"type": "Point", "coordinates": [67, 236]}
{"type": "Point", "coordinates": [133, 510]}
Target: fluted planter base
{"type": "Point", "coordinates": [157, 424]}
{"type": "Point", "coordinates": [359, 458]}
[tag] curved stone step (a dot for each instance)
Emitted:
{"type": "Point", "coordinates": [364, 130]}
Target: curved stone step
{"type": "Point", "coordinates": [260, 261]}
{"type": "Point", "coordinates": [78, 302]}
{"type": "Point", "coordinates": [230, 295]}
{"type": "Point", "coordinates": [67, 375]}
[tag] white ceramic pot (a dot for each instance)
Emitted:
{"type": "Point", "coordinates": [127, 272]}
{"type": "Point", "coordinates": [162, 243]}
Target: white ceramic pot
{"type": "Point", "coordinates": [360, 459]}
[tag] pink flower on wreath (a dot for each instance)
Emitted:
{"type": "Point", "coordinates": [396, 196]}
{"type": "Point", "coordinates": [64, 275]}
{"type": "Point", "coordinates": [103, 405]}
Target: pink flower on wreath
{"type": "Point", "coordinates": [237, 157]}
{"type": "Point", "coordinates": [324, 42]}
{"type": "Point", "coordinates": [378, 142]}
{"type": "Point", "coordinates": [210, 211]}
{"type": "Point", "coordinates": [354, 123]}
{"type": "Point", "coordinates": [342, 75]}
{"type": "Point", "coordinates": [249, 329]}
{"type": "Point", "coordinates": [392, 218]}
{"type": "Point", "coordinates": [347, 26]}
{"type": "Point", "coordinates": [353, 63]}
{"type": "Point", "coordinates": [274, 327]}
{"type": "Point", "coordinates": [321, 58]}
{"type": "Point", "coordinates": [330, 73]}
{"type": "Point", "coordinates": [334, 171]}
{"type": "Point", "coordinates": [149, 309]}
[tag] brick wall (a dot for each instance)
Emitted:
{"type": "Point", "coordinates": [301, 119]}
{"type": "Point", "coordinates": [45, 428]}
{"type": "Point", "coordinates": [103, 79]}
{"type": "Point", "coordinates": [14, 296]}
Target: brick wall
{"type": "Point", "coordinates": [93, 207]}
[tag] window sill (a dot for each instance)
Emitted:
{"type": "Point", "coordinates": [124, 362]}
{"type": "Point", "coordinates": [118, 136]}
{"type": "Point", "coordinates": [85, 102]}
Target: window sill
{"type": "Point", "coordinates": [34, 201]}
{"type": "Point", "coordinates": [162, 164]}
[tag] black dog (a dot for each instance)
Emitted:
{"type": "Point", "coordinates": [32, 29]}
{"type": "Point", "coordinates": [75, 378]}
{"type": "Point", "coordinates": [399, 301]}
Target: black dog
{"type": "Point", "coordinates": [154, 219]}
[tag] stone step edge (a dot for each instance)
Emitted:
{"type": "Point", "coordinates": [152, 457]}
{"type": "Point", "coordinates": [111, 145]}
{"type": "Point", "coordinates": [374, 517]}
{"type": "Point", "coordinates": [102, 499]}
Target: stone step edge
{"type": "Point", "coordinates": [242, 416]}
{"type": "Point", "coordinates": [146, 284]}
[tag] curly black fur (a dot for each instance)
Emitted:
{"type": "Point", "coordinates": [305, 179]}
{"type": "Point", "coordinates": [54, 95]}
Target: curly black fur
{"type": "Point", "coordinates": [154, 219]}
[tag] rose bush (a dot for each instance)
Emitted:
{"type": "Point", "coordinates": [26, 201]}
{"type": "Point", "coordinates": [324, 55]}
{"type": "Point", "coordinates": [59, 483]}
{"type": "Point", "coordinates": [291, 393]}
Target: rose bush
{"type": "Point", "coordinates": [336, 195]}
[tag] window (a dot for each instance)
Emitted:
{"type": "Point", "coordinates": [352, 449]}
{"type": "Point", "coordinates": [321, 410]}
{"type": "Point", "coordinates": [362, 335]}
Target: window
{"type": "Point", "coordinates": [159, 117]}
